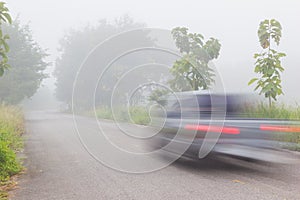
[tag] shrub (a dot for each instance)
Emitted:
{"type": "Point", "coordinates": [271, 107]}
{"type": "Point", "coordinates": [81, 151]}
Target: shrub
{"type": "Point", "coordinates": [139, 115]}
{"type": "Point", "coordinates": [9, 164]}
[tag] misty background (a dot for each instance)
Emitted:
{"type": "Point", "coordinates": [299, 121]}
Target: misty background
{"type": "Point", "coordinates": [233, 22]}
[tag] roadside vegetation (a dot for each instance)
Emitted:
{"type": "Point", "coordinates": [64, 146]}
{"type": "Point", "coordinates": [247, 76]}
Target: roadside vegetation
{"type": "Point", "coordinates": [140, 115]}
{"type": "Point", "coordinates": [276, 111]}
{"type": "Point", "coordinates": [136, 115]}
{"type": "Point", "coordinates": [11, 129]}
{"type": "Point", "coordinates": [11, 120]}
{"type": "Point", "coordinates": [22, 68]}
{"type": "Point", "coordinates": [281, 112]}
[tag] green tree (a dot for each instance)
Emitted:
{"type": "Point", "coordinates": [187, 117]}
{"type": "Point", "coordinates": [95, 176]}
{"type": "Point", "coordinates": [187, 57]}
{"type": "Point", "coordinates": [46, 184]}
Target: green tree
{"type": "Point", "coordinates": [26, 59]}
{"type": "Point", "coordinates": [268, 63]}
{"type": "Point", "coordinates": [192, 71]}
{"type": "Point", "coordinates": [4, 47]}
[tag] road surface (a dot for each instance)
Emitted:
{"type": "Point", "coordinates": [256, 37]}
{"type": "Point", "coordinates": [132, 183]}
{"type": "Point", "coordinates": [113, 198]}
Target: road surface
{"type": "Point", "coordinates": [59, 167]}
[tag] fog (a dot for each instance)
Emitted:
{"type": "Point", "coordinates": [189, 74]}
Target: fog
{"type": "Point", "coordinates": [233, 22]}
{"type": "Point", "coordinates": [135, 86]}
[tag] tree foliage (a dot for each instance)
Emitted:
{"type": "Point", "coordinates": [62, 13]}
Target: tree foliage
{"type": "Point", "coordinates": [268, 62]}
{"type": "Point", "coordinates": [5, 18]}
{"type": "Point", "coordinates": [156, 96]}
{"type": "Point", "coordinates": [192, 71]}
{"type": "Point", "coordinates": [26, 59]}
{"type": "Point", "coordinates": [77, 45]}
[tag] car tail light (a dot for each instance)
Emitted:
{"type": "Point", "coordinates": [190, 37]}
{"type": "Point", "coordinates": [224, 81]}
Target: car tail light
{"type": "Point", "coordinates": [207, 128]}
{"type": "Point", "coordinates": [289, 129]}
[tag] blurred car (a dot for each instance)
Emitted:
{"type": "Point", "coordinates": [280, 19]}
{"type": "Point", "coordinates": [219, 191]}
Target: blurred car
{"type": "Point", "coordinates": [195, 124]}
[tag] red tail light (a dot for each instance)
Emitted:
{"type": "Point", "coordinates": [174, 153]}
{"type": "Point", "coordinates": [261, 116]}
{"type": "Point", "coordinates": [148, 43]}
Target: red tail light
{"type": "Point", "coordinates": [288, 129]}
{"type": "Point", "coordinates": [224, 130]}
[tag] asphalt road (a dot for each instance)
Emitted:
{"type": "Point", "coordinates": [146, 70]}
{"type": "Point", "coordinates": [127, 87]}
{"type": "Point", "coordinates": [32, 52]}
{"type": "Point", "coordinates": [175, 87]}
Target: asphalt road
{"type": "Point", "coordinates": [59, 167]}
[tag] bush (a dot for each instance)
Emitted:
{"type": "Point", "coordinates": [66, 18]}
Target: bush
{"type": "Point", "coordinates": [104, 113]}
{"type": "Point", "coordinates": [139, 115]}
{"type": "Point", "coordinates": [9, 164]}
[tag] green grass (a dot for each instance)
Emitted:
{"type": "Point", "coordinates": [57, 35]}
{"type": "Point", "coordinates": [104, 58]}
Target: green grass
{"type": "Point", "coordinates": [11, 128]}
{"type": "Point", "coordinates": [136, 115]}
{"type": "Point", "coordinates": [278, 112]}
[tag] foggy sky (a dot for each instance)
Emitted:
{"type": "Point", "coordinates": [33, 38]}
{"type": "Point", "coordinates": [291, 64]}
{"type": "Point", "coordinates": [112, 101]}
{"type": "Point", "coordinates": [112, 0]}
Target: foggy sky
{"type": "Point", "coordinates": [233, 22]}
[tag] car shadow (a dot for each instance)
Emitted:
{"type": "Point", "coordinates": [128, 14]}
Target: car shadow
{"type": "Point", "coordinates": [222, 164]}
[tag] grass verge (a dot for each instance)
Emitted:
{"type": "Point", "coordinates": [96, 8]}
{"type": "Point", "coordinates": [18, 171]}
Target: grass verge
{"type": "Point", "coordinates": [11, 129]}
{"type": "Point", "coordinates": [136, 115]}
{"type": "Point", "coordinates": [279, 112]}
{"type": "Point", "coordinates": [276, 111]}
